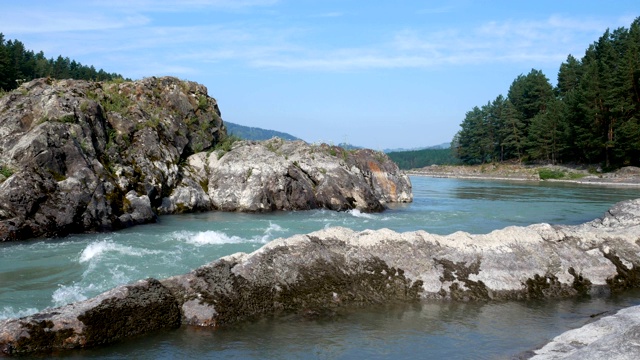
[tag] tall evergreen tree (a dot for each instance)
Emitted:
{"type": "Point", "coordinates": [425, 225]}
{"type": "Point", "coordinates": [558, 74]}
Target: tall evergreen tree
{"type": "Point", "coordinates": [545, 133]}
{"type": "Point", "coordinates": [511, 132]}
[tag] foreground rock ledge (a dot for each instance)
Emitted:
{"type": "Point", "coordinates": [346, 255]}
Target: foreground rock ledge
{"type": "Point", "coordinates": [317, 273]}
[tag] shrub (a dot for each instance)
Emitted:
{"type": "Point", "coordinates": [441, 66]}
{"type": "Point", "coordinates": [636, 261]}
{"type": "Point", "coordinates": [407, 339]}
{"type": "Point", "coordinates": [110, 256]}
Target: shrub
{"type": "Point", "coordinates": [116, 102]}
{"type": "Point", "coordinates": [5, 171]}
{"type": "Point", "coordinates": [226, 144]}
{"type": "Point", "coordinates": [203, 103]}
{"type": "Point", "coordinates": [547, 174]}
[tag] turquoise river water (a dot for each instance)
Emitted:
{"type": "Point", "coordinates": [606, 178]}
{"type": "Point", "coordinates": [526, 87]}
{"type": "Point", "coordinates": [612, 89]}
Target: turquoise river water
{"type": "Point", "coordinates": [41, 273]}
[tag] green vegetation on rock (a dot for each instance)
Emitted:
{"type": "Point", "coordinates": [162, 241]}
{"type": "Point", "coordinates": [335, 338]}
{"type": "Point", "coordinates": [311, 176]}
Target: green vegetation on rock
{"type": "Point", "coordinates": [225, 145]}
{"type": "Point", "coordinates": [5, 171]}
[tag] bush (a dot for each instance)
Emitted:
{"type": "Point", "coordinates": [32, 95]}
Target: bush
{"type": "Point", "coordinates": [225, 145]}
{"type": "Point", "coordinates": [5, 171]}
{"type": "Point", "coordinates": [547, 174]}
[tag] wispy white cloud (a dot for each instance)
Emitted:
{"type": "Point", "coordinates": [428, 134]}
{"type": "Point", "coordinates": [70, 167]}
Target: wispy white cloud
{"type": "Point", "coordinates": [332, 14]}
{"type": "Point", "coordinates": [29, 21]}
{"type": "Point", "coordinates": [544, 42]}
{"type": "Point", "coordinates": [181, 6]}
{"type": "Point", "coordinates": [128, 32]}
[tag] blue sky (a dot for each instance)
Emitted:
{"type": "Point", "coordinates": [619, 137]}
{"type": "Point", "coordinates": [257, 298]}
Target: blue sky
{"type": "Point", "coordinates": [383, 74]}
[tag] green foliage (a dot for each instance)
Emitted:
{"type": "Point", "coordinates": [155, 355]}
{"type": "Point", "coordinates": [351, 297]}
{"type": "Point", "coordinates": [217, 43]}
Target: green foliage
{"type": "Point", "coordinates": [5, 171]}
{"type": "Point", "coordinates": [547, 174]}
{"type": "Point", "coordinates": [68, 119]}
{"type": "Point", "coordinates": [225, 145]}
{"type": "Point", "coordinates": [592, 116]}
{"type": "Point", "coordinates": [203, 103]}
{"type": "Point", "coordinates": [421, 158]}
{"type": "Point", "coordinates": [153, 122]}
{"type": "Point", "coordinates": [18, 65]}
{"type": "Point", "coordinates": [116, 101]}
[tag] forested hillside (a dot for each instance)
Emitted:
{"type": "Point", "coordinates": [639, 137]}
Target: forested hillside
{"type": "Point", "coordinates": [18, 65]}
{"type": "Point", "coordinates": [420, 158]}
{"type": "Point", "coordinates": [254, 133]}
{"type": "Point", "coordinates": [591, 116]}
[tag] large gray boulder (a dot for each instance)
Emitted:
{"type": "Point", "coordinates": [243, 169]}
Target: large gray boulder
{"type": "Point", "coordinates": [292, 175]}
{"type": "Point", "coordinates": [88, 156]}
{"type": "Point", "coordinates": [615, 337]}
{"type": "Point", "coordinates": [318, 273]}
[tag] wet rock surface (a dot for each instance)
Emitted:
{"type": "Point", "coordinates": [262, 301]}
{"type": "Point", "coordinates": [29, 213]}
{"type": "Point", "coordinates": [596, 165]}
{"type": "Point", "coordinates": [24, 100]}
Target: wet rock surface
{"type": "Point", "coordinates": [318, 273]}
{"type": "Point", "coordinates": [88, 156]}
{"type": "Point", "coordinates": [121, 313]}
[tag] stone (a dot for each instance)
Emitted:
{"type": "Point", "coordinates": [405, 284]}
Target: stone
{"type": "Point", "coordinates": [115, 315]}
{"type": "Point", "coordinates": [611, 337]}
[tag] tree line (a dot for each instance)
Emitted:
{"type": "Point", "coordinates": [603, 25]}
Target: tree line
{"type": "Point", "coordinates": [18, 65]}
{"type": "Point", "coordinates": [592, 115]}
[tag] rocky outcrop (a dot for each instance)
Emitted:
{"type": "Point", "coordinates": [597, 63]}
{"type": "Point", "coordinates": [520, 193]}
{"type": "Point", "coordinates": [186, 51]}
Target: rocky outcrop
{"type": "Point", "coordinates": [615, 337]}
{"type": "Point", "coordinates": [318, 273]}
{"type": "Point", "coordinates": [278, 174]}
{"type": "Point", "coordinates": [88, 156]}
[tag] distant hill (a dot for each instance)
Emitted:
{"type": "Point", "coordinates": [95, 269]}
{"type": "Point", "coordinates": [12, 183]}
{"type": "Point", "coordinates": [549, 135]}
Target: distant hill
{"type": "Point", "coordinates": [440, 146]}
{"type": "Point", "coordinates": [254, 133]}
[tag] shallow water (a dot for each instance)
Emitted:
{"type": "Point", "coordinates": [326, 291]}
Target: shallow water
{"type": "Point", "coordinates": [43, 273]}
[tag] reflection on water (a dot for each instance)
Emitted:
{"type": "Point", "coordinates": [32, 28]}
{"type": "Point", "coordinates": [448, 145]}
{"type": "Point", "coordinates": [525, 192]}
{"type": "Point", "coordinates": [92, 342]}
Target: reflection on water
{"type": "Point", "coordinates": [438, 330]}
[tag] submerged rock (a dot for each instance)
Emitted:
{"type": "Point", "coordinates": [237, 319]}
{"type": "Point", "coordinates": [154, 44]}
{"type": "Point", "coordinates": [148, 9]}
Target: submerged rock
{"type": "Point", "coordinates": [90, 156]}
{"type": "Point", "coordinates": [318, 273]}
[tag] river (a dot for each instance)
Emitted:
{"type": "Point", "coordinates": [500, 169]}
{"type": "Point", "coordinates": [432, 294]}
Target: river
{"type": "Point", "coordinates": [51, 272]}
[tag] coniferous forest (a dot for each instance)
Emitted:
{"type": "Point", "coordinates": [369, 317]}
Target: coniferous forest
{"type": "Point", "coordinates": [18, 65]}
{"type": "Point", "coordinates": [592, 116]}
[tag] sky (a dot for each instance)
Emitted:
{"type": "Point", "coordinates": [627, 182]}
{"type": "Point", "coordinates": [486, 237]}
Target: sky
{"type": "Point", "coordinates": [377, 74]}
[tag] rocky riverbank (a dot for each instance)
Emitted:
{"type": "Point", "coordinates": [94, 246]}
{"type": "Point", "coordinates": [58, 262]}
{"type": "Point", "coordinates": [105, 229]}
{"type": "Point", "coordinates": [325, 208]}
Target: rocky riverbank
{"type": "Point", "coordinates": [626, 176]}
{"type": "Point", "coordinates": [318, 273]}
{"type": "Point", "coordinates": [78, 156]}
